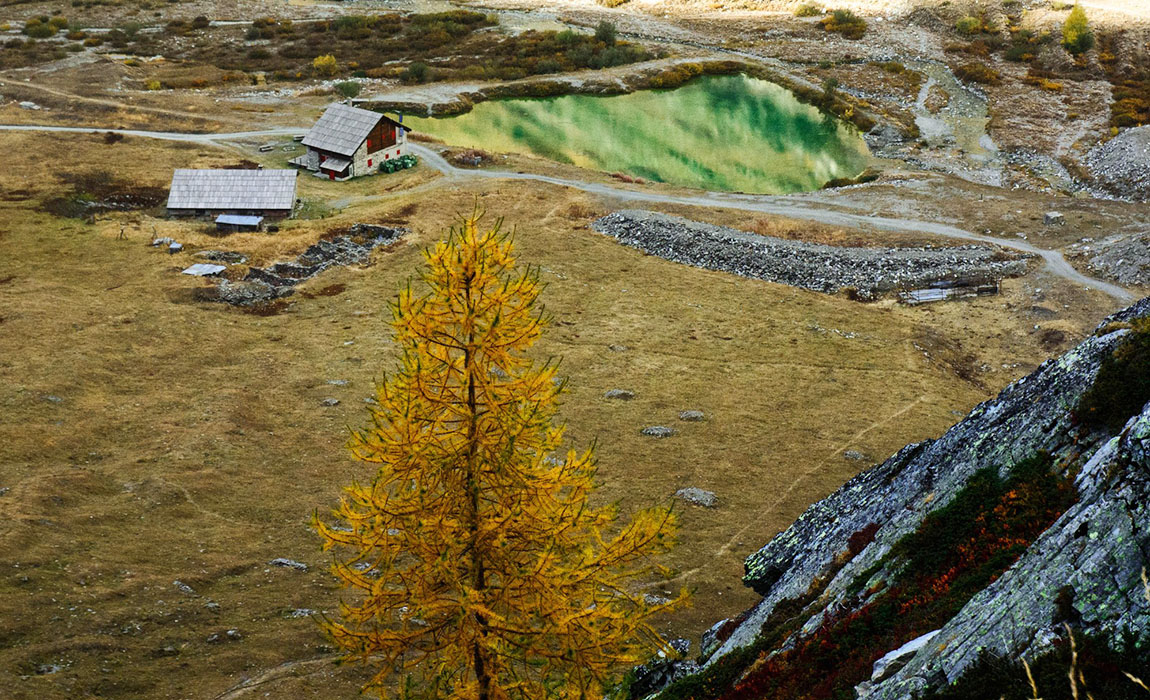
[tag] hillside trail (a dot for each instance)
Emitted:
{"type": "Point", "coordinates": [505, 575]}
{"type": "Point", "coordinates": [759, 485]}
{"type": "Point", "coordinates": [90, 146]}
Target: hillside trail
{"type": "Point", "coordinates": [791, 206]}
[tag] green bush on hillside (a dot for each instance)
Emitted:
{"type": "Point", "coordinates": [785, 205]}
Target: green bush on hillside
{"type": "Point", "coordinates": [1122, 386]}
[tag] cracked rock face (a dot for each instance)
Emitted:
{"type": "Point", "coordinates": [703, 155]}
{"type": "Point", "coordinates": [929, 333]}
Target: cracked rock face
{"type": "Point", "coordinates": [1094, 553]}
{"type": "Point", "coordinates": [870, 272]}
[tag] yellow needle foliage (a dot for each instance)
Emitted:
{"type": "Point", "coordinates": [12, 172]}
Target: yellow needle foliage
{"type": "Point", "coordinates": [480, 568]}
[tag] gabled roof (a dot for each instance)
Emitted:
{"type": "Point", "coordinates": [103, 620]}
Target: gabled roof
{"type": "Point", "coordinates": [232, 189]}
{"type": "Point", "coordinates": [342, 128]}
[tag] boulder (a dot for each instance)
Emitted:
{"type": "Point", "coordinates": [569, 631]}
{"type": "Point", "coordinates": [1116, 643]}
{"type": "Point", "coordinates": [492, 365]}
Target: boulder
{"type": "Point", "coordinates": [658, 431]}
{"type": "Point", "coordinates": [697, 497]}
{"type": "Point", "coordinates": [1053, 218]}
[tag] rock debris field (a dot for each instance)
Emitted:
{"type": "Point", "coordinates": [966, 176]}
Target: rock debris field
{"type": "Point", "coordinates": [869, 272]}
{"type": "Point", "coordinates": [1121, 166]}
{"type": "Point", "coordinates": [265, 284]}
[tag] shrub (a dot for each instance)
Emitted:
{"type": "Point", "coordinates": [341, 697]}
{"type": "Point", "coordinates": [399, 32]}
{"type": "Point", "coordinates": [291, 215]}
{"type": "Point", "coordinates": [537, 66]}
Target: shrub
{"type": "Point", "coordinates": [968, 26]}
{"type": "Point", "coordinates": [548, 65]}
{"type": "Point", "coordinates": [808, 10]}
{"type": "Point", "coordinates": [201, 22]}
{"type": "Point", "coordinates": [39, 30]}
{"type": "Point", "coordinates": [845, 22]}
{"type": "Point", "coordinates": [259, 53]}
{"type": "Point", "coordinates": [606, 33]}
{"type": "Point", "coordinates": [978, 73]}
{"type": "Point", "coordinates": [348, 88]}
{"type": "Point", "coordinates": [325, 64]}
{"type": "Point", "coordinates": [1077, 37]}
{"type": "Point", "coordinates": [1122, 386]}
{"type": "Point", "coordinates": [152, 85]}
{"type": "Point", "coordinates": [417, 72]}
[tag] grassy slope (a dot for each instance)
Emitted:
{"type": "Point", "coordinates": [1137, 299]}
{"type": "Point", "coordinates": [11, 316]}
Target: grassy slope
{"type": "Point", "coordinates": [190, 443]}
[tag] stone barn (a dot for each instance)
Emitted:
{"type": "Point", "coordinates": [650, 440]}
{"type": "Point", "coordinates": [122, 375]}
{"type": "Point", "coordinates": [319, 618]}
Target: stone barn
{"type": "Point", "coordinates": [261, 193]}
{"type": "Point", "coordinates": [348, 142]}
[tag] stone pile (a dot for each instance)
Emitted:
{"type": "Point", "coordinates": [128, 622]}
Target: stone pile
{"type": "Point", "coordinates": [868, 272]}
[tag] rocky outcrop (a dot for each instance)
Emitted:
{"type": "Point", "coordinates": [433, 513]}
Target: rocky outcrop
{"type": "Point", "coordinates": [869, 272]}
{"type": "Point", "coordinates": [1085, 568]}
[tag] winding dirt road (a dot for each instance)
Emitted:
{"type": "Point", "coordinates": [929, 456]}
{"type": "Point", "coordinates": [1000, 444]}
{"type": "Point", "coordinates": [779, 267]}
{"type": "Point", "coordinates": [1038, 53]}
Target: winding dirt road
{"type": "Point", "coordinates": [790, 207]}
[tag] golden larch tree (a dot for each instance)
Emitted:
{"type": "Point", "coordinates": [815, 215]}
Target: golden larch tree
{"type": "Point", "coordinates": [479, 567]}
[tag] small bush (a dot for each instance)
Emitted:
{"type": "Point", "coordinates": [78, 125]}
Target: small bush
{"type": "Point", "coordinates": [201, 22]}
{"type": "Point", "coordinates": [1122, 386]}
{"type": "Point", "coordinates": [325, 64]}
{"type": "Point", "coordinates": [39, 30]}
{"type": "Point", "coordinates": [417, 72]}
{"type": "Point", "coordinates": [845, 22]}
{"type": "Point", "coordinates": [152, 85]}
{"type": "Point", "coordinates": [606, 33]}
{"type": "Point", "coordinates": [348, 88]}
{"type": "Point", "coordinates": [968, 26]}
{"type": "Point", "coordinates": [978, 73]}
{"type": "Point", "coordinates": [1077, 37]}
{"type": "Point", "coordinates": [808, 10]}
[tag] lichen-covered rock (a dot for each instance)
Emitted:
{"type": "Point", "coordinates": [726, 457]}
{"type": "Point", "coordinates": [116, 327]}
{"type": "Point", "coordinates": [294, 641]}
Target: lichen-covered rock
{"type": "Point", "coordinates": [1092, 556]}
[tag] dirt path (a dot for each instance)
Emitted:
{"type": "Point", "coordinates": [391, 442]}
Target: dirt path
{"type": "Point", "coordinates": [790, 207]}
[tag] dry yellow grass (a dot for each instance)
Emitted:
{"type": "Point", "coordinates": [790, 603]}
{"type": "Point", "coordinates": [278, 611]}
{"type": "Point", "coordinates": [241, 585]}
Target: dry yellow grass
{"type": "Point", "coordinates": [148, 438]}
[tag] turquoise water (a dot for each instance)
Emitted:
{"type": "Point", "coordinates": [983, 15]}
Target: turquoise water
{"type": "Point", "coordinates": [727, 133]}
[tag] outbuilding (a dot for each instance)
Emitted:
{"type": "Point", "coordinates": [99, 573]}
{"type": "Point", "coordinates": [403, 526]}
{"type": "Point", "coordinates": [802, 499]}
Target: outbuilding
{"type": "Point", "coordinates": [235, 223]}
{"type": "Point", "coordinates": [348, 142]}
{"type": "Point", "coordinates": [256, 193]}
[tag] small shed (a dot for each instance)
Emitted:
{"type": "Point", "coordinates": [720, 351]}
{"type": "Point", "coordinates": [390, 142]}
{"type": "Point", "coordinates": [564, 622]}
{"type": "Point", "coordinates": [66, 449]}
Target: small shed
{"type": "Point", "coordinates": [262, 193]}
{"type": "Point", "coordinates": [234, 223]}
{"type": "Point", "coordinates": [348, 142]}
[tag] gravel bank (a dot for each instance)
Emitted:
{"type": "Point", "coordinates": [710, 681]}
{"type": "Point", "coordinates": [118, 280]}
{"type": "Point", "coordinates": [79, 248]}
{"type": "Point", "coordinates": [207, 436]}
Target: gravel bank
{"type": "Point", "coordinates": [1122, 165]}
{"type": "Point", "coordinates": [822, 268]}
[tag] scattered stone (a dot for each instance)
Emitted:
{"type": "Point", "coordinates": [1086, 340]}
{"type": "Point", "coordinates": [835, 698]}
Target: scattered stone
{"type": "Point", "coordinates": [204, 269]}
{"type": "Point", "coordinates": [174, 248]}
{"type": "Point", "coordinates": [212, 605]}
{"type": "Point", "coordinates": [658, 431]}
{"type": "Point", "coordinates": [661, 671]}
{"type": "Point", "coordinates": [232, 635]}
{"type": "Point", "coordinates": [184, 588]}
{"type": "Point", "coordinates": [298, 613]}
{"type": "Point", "coordinates": [52, 398]}
{"type": "Point", "coordinates": [1121, 166]}
{"type": "Point", "coordinates": [337, 382]}
{"type": "Point", "coordinates": [655, 600]}
{"type": "Point", "coordinates": [621, 394]}
{"type": "Point", "coordinates": [855, 456]}
{"type": "Point", "coordinates": [865, 272]}
{"type": "Point", "coordinates": [329, 401]}
{"type": "Point", "coordinates": [263, 284]}
{"type": "Point", "coordinates": [618, 348]}
{"type": "Point", "coordinates": [49, 669]}
{"type": "Point", "coordinates": [1053, 218]}
{"type": "Point", "coordinates": [168, 651]}
{"type": "Point", "coordinates": [697, 496]}
{"type": "Point", "coordinates": [289, 564]}
{"type": "Point", "coordinates": [5, 490]}
{"type": "Point", "coordinates": [692, 416]}
{"type": "Point", "coordinates": [165, 241]}
{"type": "Point", "coordinates": [224, 256]}
{"type": "Point", "coordinates": [29, 105]}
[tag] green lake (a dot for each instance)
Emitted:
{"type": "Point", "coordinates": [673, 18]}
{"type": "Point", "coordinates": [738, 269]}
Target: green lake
{"type": "Point", "coordinates": [726, 133]}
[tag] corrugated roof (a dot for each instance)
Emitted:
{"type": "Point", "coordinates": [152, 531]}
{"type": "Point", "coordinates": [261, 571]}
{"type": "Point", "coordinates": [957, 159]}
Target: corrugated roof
{"type": "Point", "coordinates": [239, 220]}
{"type": "Point", "coordinates": [232, 189]}
{"type": "Point", "coordinates": [342, 128]}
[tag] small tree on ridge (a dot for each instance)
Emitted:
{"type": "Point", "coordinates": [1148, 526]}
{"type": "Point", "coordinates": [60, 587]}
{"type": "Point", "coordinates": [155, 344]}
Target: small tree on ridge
{"type": "Point", "coordinates": [479, 567]}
